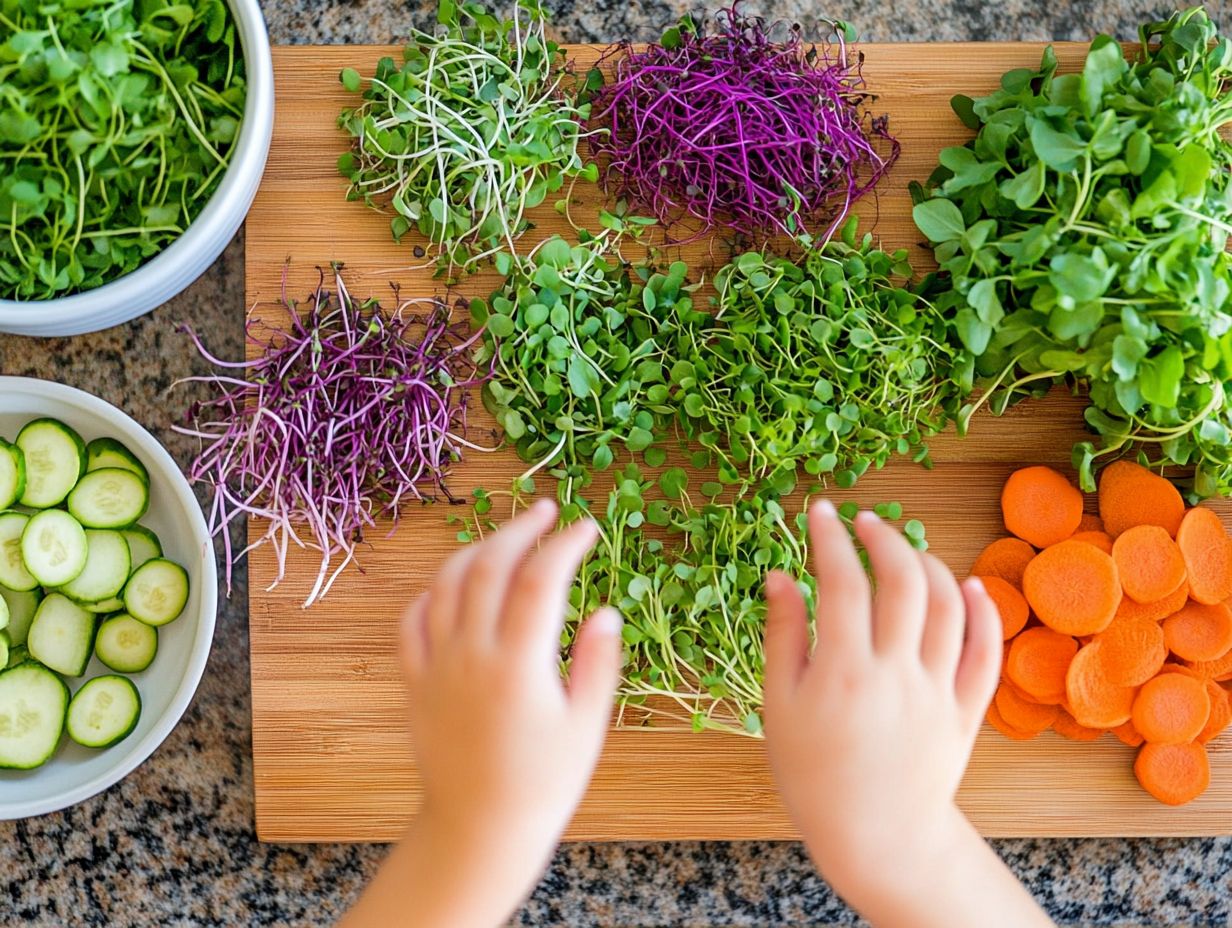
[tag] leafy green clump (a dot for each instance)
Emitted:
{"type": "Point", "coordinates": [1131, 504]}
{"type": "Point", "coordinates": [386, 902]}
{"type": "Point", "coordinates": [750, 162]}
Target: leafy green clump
{"type": "Point", "coordinates": [828, 363]}
{"type": "Point", "coordinates": [478, 125]}
{"type": "Point", "coordinates": [1084, 231]}
{"type": "Point", "coordinates": [117, 120]}
{"type": "Point", "coordinates": [579, 344]}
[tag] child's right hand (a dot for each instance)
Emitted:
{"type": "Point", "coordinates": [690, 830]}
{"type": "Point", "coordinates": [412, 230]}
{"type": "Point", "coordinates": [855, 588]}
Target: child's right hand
{"type": "Point", "coordinates": [869, 737]}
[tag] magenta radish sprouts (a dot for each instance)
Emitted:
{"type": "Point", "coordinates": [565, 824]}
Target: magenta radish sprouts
{"type": "Point", "coordinates": [345, 416]}
{"type": "Point", "coordinates": [732, 129]}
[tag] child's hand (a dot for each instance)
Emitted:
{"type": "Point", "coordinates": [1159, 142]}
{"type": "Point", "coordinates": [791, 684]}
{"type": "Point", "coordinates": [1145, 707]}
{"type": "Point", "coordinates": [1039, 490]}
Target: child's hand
{"type": "Point", "coordinates": [869, 737]}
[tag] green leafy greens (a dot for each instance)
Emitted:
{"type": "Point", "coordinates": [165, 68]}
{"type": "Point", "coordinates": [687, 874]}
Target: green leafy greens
{"type": "Point", "coordinates": [117, 120]}
{"type": "Point", "coordinates": [1084, 231]}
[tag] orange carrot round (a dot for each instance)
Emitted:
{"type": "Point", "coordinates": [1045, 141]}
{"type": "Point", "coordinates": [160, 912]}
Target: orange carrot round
{"type": "Point", "coordinates": [1037, 663]}
{"type": "Point", "coordinates": [1218, 669]}
{"type": "Point", "coordinates": [993, 717]}
{"type": "Point", "coordinates": [1149, 563]}
{"type": "Point", "coordinates": [1130, 495]}
{"type": "Point", "coordinates": [1094, 700]}
{"type": "Point", "coordinates": [1199, 633]}
{"type": "Point", "coordinates": [1010, 604]}
{"type": "Point", "coordinates": [1020, 713]}
{"type": "Point", "coordinates": [1156, 611]}
{"type": "Point", "coordinates": [1067, 727]}
{"type": "Point", "coordinates": [1127, 734]}
{"type": "Point", "coordinates": [1207, 550]}
{"type": "Point", "coordinates": [1171, 708]}
{"type": "Point", "coordinates": [1073, 587]}
{"type": "Point", "coordinates": [1131, 651]}
{"type": "Point", "coordinates": [1040, 506]}
{"type": "Point", "coordinates": [1101, 540]}
{"type": "Point", "coordinates": [1090, 523]}
{"type": "Point", "coordinates": [1221, 712]}
{"type": "Point", "coordinates": [1173, 773]}
{"type": "Point", "coordinates": [1006, 558]}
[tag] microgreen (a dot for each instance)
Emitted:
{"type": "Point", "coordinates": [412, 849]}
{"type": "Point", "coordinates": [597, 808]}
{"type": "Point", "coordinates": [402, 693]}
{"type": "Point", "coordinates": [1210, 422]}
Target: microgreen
{"type": "Point", "coordinates": [117, 121]}
{"type": "Point", "coordinates": [477, 126]}
{"type": "Point", "coordinates": [1084, 231]}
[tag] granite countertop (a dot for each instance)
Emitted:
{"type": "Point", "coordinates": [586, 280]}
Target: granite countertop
{"type": "Point", "coordinates": [174, 844]}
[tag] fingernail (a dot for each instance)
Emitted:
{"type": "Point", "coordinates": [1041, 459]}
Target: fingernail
{"type": "Point", "coordinates": [975, 585]}
{"type": "Point", "coordinates": [868, 516]}
{"type": "Point", "coordinates": [607, 621]}
{"type": "Point", "coordinates": [825, 509]}
{"type": "Point", "coordinates": [542, 507]}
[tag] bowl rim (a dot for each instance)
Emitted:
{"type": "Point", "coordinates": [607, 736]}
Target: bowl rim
{"type": "Point", "coordinates": [159, 459]}
{"type": "Point", "coordinates": [174, 268]}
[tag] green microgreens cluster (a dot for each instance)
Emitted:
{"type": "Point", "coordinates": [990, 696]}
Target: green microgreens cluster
{"type": "Point", "coordinates": [479, 124]}
{"type": "Point", "coordinates": [579, 348]}
{"type": "Point", "coordinates": [1083, 231]}
{"type": "Point", "coordinates": [117, 121]}
{"type": "Point", "coordinates": [827, 362]}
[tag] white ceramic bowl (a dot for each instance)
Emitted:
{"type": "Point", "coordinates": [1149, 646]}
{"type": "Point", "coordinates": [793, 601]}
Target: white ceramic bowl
{"type": "Point", "coordinates": [185, 259]}
{"type": "Point", "coordinates": [168, 684]}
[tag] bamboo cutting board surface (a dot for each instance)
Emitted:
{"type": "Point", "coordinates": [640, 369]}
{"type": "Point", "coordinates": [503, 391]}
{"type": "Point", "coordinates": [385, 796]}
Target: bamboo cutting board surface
{"type": "Point", "coordinates": [330, 746]}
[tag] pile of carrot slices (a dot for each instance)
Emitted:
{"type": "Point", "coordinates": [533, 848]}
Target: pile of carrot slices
{"type": "Point", "coordinates": [1120, 622]}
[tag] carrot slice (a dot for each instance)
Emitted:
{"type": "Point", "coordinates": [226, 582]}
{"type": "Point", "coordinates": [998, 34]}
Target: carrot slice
{"type": "Point", "coordinates": [1073, 587]}
{"type": "Point", "coordinates": [1038, 661]}
{"type": "Point", "coordinates": [993, 717]}
{"type": "Point", "coordinates": [1207, 550]}
{"type": "Point", "coordinates": [1218, 669]}
{"type": "Point", "coordinates": [1199, 633]}
{"type": "Point", "coordinates": [1221, 712]}
{"type": "Point", "coordinates": [1067, 727]}
{"type": "Point", "coordinates": [1023, 714]}
{"type": "Point", "coordinates": [1172, 708]}
{"type": "Point", "coordinates": [1131, 651]}
{"type": "Point", "coordinates": [1173, 773]}
{"type": "Point", "coordinates": [1094, 700]}
{"type": "Point", "coordinates": [1130, 495]}
{"type": "Point", "coordinates": [1156, 611]}
{"type": "Point", "coordinates": [1090, 523]}
{"type": "Point", "coordinates": [1149, 563]}
{"type": "Point", "coordinates": [1010, 604]}
{"type": "Point", "coordinates": [1040, 506]}
{"type": "Point", "coordinates": [1006, 558]}
{"type": "Point", "coordinates": [1101, 540]}
{"type": "Point", "coordinates": [1173, 667]}
{"type": "Point", "coordinates": [1127, 734]}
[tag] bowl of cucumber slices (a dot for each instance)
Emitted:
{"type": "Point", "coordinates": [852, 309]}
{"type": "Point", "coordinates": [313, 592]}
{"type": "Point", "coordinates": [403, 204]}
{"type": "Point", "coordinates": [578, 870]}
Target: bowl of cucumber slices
{"type": "Point", "coordinates": [108, 593]}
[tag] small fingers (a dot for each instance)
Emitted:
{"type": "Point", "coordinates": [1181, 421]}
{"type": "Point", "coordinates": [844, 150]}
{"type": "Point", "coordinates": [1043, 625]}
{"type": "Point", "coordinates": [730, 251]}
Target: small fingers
{"type": "Point", "coordinates": [980, 664]}
{"type": "Point", "coordinates": [844, 598]}
{"type": "Point", "coordinates": [539, 591]}
{"type": "Point", "coordinates": [445, 596]}
{"type": "Point", "coordinates": [413, 637]}
{"type": "Point", "coordinates": [943, 626]}
{"type": "Point", "coordinates": [902, 587]}
{"type": "Point", "coordinates": [594, 671]}
{"type": "Point", "coordinates": [787, 639]}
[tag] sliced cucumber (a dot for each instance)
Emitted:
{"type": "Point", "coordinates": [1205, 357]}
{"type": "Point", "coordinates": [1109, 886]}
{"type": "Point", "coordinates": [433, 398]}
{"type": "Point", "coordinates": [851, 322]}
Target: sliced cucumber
{"type": "Point", "coordinates": [106, 570]}
{"type": "Point", "coordinates": [143, 544]}
{"type": "Point", "coordinates": [55, 460]}
{"type": "Point", "coordinates": [13, 573]}
{"type": "Point", "coordinates": [18, 654]}
{"type": "Point", "coordinates": [4, 649]}
{"type": "Point", "coordinates": [33, 706]}
{"type": "Point", "coordinates": [156, 592]}
{"type": "Point", "coordinates": [21, 606]}
{"type": "Point", "coordinates": [107, 452]}
{"type": "Point", "coordinates": [4, 614]}
{"type": "Point", "coordinates": [104, 711]}
{"type": "Point", "coordinates": [62, 635]}
{"type": "Point", "coordinates": [105, 606]}
{"type": "Point", "coordinates": [53, 546]}
{"type": "Point", "coordinates": [126, 645]}
{"type": "Point", "coordinates": [109, 498]}
{"type": "Point", "coordinates": [12, 474]}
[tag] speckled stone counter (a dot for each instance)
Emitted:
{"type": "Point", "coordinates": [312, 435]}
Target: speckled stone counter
{"type": "Point", "coordinates": [174, 843]}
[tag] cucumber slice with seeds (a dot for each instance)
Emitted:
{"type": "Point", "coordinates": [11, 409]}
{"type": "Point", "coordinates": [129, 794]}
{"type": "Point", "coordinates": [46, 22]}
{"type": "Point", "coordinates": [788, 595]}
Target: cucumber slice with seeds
{"type": "Point", "coordinates": [156, 592]}
{"type": "Point", "coordinates": [62, 635]}
{"type": "Point", "coordinates": [21, 605]}
{"type": "Point", "coordinates": [104, 711]}
{"type": "Point", "coordinates": [53, 547]}
{"type": "Point", "coordinates": [106, 570]}
{"type": "Point", "coordinates": [13, 573]}
{"type": "Point", "coordinates": [55, 460]}
{"type": "Point", "coordinates": [143, 545]}
{"type": "Point", "coordinates": [109, 498]}
{"type": "Point", "coordinates": [107, 452]}
{"type": "Point", "coordinates": [12, 474]}
{"type": "Point", "coordinates": [126, 645]}
{"type": "Point", "coordinates": [33, 706]}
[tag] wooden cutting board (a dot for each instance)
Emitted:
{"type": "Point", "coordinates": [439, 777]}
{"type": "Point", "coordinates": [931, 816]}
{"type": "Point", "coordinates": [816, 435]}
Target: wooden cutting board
{"type": "Point", "coordinates": [329, 741]}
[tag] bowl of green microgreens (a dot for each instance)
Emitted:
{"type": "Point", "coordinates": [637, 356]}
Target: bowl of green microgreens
{"type": "Point", "coordinates": [133, 135]}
